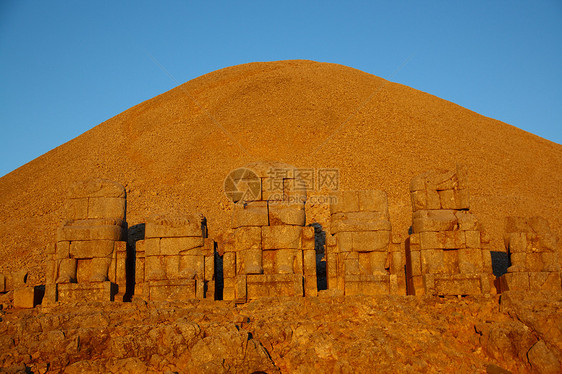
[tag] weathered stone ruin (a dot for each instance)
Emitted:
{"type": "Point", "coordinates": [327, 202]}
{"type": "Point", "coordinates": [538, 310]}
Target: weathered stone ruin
{"type": "Point", "coordinates": [532, 250]}
{"type": "Point", "coordinates": [25, 296]}
{"type": "Point", "coordinates": [88, 260]}
{"type": "Point", "coordinates": [175, 261]}
{"type": "Point", "coordinates": [359, 257]}
{"type": "Point", "coordinates": [446, 252]}
{"type": "Point", "coordinates": [269, 251]}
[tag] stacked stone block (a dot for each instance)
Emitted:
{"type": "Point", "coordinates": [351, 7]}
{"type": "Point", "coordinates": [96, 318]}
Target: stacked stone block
{"type": "Point", "coordinates": [269, 252]}
{"type": "Point", "coordinates": [24, 296]}
{"type": "Point", "coordinates": [361, 258]}
{"type": "Point", "coordinates": [88, 260]}
{"type": "Point", "coordinates": [446, 252]}
{"type": "Point", "coordinates": [175, 261]}
{"type": "Point", "coordinates": [533, 253]}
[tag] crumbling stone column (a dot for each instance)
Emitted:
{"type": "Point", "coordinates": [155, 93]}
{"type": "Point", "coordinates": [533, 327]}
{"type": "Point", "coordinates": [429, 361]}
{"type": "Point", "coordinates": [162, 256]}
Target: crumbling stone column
{"type": "Point", "coordinates": [533, 254]}
{"type": "Point", "coordinates": [269, 251]}
{"type": "Point", "coordinates": [446, 252]}
{"type": "Point", "coordinates": [88, 261]}
{"type": "Point", "coordinates": [175, 261]}
{"type": "Point", "coordinates": [359, 247]}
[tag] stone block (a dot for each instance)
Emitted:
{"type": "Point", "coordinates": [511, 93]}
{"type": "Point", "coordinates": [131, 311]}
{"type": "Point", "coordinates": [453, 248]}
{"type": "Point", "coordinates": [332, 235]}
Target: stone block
{"type": "Point", "coordinates": [518, 262]}
{"type": "Point", "coordinates": [533, 262]}
{"type": "Point", "coordinates": [447, 199]}
{"type": "Point", "coordinates": [274, 285]}
{"type": "Point", "coordinates": [284, 259]}
{"type": "Point", "coordinates": [106, 207]}
{"type": "Point", "coordinates": [164, 226]}
{"type": "Point", "coordinates": [418, 285]}
{"type": "Point", "coordinates": [470, 261]}
{"type": "Point", "coordinates": [451, 261]}
{"type": "Point", "coordinates": [365, 263]}
{"type": "Point", "coordinates": [442, 240]}
{"type": "Point", "coordinates": [172, 290]}
{"type": "Point", "coordinates": [252, 261]}
{"type": "Point", "coordinates": [67, 271]}
{"type": "Point", "coordinates": [250, 214]}
{"type": "Point", "coordinates": [419, 200]}
{"type": "Point", "coordinates": [309, 262]}
{"type": "Point", "coordinates": [271, 189]}
{"type": "Point", "coordinates": [344, 241]}
{"type": "Point", "coordinates": [369, 241]}
{"type": "Point", "coordinates": [91, 248]}
{"type": "Point", "coordinates": [172, 268]}
{"type": "Point", "coordinates": [241, 289]}
{"type": "Point", "coordinates": [19, 279]}
{"type": "Point", "coordinates": [247, 238]}
{"type": "Point", "coordinates": [282, 213]}
{"type": "Point", "coordinates": [551, 261]}
{"type": "Point", "coordinates": [308, 238]}
{"type": "Point", "coordinates": [24, 297]}
{"type": "Point", "coordinates": [359, 221]}
{"type": "Point", "coordinates": [379, 263]}
{"type": "Point", "coordinates": [76, 208]}
{"type": "Point", "coordinates": [62, 250]}
{"type": "Point", "coordinates": [345, 201]}
{"type": "Point", "coordinates": [545, 281]}
{"type": "Point", "coordinates": [294, 191]}
{"type": "Point", "coordinates": [96, 291]}
{"type": "Point", "coordinates": [517, 242]}
{"type": "Point", "coordinates": [228, 293]}
{"type": "Point", "coordinates": [457, 285]}
{"type": "Point", "coordinates": [373, 201]}
{"type": "Point", "coordinates": [432, 261]}
{"type": "Point", "coordinates": [298, 265]}
{"type": "Point", "coordinates": [175, 246]}
{"type": "Point", "coordinates": [433, 200]}
{"type": "Point", "coordinates": [515, 281]}
{"type": "Point", "coordinates": [151, 246]}
{"type": "Point", "coordinates": [415, 257]}
{"type": "Point", "coordinates": [397, 263]}
{"type": "Point", "coordinates": [281, 237]}
{"type": "Point", "coordinates": [462, 199]}
{"type": "Point", "coordinates": [154, 268]}
{"type": "Point", "coordinates": [434, 220]}
{"type": "Point", "coordinates": [209, 267]}
{"type": "Point", "coordinates": [367, 288]}
{"type": "Point", "coordinates": [81, 230]}
{"type": "Point", "coordinates": [310, 287]}
{"type": "Point", "coordinates": [473, 239]}
{"type": "Point", "coordinates": [466, 220]}
{"type": "Point", "coordinates": [268, 261]}
{"type": "Point", "coordinates": [192, 267]}
{"type": "Point", "coordinates": [414, 239]}
{"type": "Point", "coordinates": [229, 264]}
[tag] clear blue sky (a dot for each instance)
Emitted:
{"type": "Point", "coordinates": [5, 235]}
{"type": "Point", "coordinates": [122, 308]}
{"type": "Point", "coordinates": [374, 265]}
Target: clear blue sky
{"type": "Point", "coordinates": [66, 66]}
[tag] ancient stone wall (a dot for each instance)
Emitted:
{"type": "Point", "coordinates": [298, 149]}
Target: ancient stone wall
{"type": "Point", "coordinates": [532, 249]}
{"type": "Point", "coordinates": [88, 260]}
{"type": "Point", "coordinates": [447, 251]}
{"type": "Point", "coordinates": [175, 261]}
{"type": "Point", "coordinates": [269, 251]}
{"type": "Point", "coordinates": [361, 258]}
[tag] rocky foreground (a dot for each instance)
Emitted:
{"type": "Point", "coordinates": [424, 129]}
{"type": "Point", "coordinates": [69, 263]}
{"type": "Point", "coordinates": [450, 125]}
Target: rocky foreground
{"type": "Point", "coordinates": [516, 332]}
